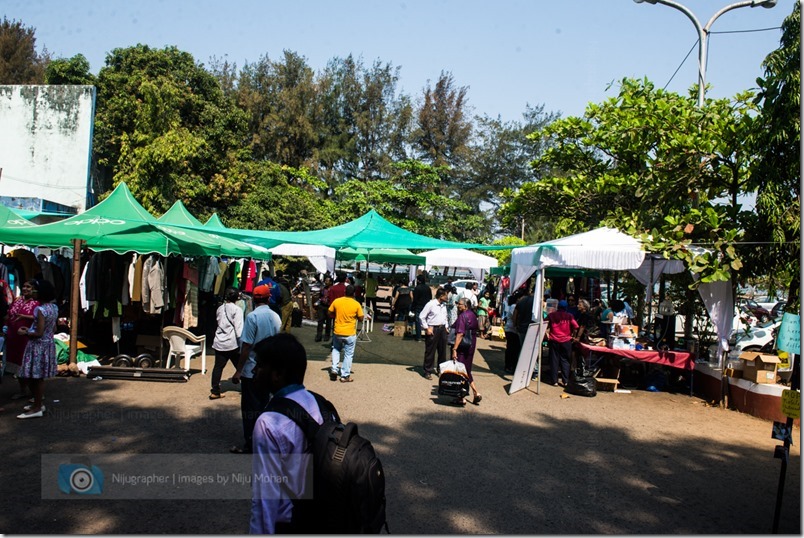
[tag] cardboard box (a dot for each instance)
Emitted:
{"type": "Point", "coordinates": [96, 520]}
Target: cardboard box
{"type": "Point", "coordinates": [733, 372]}
{"type": "Point", "coordinates": [629, 331]}
{"type": "Point", "coordinates": [399, 328]}
{"type": "Point", "coordinates": [759, 367]}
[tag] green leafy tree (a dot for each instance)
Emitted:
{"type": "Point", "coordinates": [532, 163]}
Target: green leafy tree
{"type": "Point", "coordinates": [649, 162]}
{"type": "Point", "coordinates": [19, 61]}
{"type": "Point", "coordinates": [73, 70]}
{"type": "Point", "coordinates": [164, 127]}
{"type": "Point", "coordinates": [411, 199]}
{"type": "Point", "coordinates": [280, 198]}
{"type": "Point", "coordinates": [777, 170]}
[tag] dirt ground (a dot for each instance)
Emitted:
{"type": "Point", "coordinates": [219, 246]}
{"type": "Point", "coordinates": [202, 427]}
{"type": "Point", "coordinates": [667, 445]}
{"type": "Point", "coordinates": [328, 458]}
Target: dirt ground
{"type": "Point", "coordinates": [639, 463]}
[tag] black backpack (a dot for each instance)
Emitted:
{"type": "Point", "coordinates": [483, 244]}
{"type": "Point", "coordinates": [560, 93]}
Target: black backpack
{"type": "Point", "coordinates": [348, 480]}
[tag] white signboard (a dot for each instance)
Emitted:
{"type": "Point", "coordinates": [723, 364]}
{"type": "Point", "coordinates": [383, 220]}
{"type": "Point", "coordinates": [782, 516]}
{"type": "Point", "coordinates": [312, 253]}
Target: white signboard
{"type": "Point", "coordinates": [528, 357]}
{"type": "Point", "coordinates": [46, 142]}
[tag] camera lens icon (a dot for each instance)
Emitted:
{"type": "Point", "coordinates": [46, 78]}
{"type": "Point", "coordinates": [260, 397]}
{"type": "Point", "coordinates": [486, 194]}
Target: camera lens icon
{"type": "Point", "coordinates": [81, 479]}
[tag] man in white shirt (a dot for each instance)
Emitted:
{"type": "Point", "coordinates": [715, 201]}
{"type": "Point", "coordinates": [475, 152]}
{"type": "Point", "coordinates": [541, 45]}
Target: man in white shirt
{"type": "Point", "coordinates": [433, 318]}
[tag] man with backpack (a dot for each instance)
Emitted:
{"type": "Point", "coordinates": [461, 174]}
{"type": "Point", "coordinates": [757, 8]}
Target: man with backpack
{"type": "Point", "coordinates": [312, 474]}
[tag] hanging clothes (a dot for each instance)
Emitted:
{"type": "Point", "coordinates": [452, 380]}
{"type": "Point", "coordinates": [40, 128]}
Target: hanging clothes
{"type": "Point", "coordinates": [136, 288]}
{"type": "Point", "coordinates": [190, 318]}
{"type": "Point", "coordinates": [28, 262]}
{"type": "Point", "coordinates": [220, 280]}
{"type": "Point", "coordinates": [153, 291]}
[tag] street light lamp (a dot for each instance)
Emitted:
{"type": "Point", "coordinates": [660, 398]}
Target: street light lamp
{"type": "Point", "coordinates": [704, 30]}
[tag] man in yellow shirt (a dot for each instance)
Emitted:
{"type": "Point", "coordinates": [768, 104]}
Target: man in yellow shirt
{"type": "Point", "coordinates": [347, 312]}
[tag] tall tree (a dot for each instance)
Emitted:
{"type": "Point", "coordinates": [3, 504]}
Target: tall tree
{"type": "Point", "coordinates": [367, 122]}
{"type": "Point", "coordinates": [500, 159]}
{"type": "Point", "coordinates": [284, 109]}
{"type": "Point", "coordinates": [19, 61]}
{"type": "Point", "coordinates": [777, 171]}
{"type": "Point", "coordinates": [73, 70]}
{"type": "Point", "coordinates": [444, 126]}
{"type": "Point", "coordinates": [281, 198]}
{"type": "Point", "coordinates": [164, 127]}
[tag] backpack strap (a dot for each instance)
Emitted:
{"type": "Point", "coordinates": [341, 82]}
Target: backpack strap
{"type": "Point", "coordinates": [298, 414]}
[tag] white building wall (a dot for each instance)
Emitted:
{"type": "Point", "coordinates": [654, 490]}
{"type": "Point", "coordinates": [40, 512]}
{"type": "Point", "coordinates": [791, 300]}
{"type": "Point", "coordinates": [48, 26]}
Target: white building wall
{"type": "Point", "coordinates": [46, 142]}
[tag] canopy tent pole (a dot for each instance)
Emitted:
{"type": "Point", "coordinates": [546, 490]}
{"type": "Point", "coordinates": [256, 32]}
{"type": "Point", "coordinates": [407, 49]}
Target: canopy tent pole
{"type": "Point", "coordinates": [74, 300]}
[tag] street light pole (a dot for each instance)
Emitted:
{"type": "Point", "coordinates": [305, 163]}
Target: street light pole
{"type": "Point", "coordinates": [704, 30]}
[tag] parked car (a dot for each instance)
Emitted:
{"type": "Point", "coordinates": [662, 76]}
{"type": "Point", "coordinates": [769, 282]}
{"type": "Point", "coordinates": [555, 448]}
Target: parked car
{"type": "Point", "coordinates": [762, 314]}
{"type": "Point", "coordinates": [778, 309]}
{"type": "Point", "coordinates": [461, 284]}
{"type": "Point", "coordinates": [760, 337]}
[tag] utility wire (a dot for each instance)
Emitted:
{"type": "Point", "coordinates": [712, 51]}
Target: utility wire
{"type": "Point", "coordinates": [680, 65]}
{"type": "Point", "coordinates": [707, 49]}
{"type": "Point", "coordinates": [747, 31]}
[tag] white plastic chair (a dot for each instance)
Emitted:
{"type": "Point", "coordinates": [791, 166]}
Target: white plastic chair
{"type": "Point", "coordinates": [178, 339]}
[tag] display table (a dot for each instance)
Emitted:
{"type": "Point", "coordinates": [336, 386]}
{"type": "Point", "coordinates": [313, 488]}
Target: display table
{"type": "Point", "coordinates": [676, 359]}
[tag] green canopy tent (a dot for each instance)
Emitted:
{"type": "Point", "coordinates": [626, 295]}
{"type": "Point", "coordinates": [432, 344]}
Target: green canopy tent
{"type": "Point", "coordinates": [10, 218]}
{"type": "Point", "coordinates": [371, 231]}
{"type": "Point", "coordinates": [380, 255]}
{"type": "Point", "coordinates": [178, 214]}
{"type": "Point", "coordinates": [118, 223]}
{"type": "Point", "coordinates": [214, 222]}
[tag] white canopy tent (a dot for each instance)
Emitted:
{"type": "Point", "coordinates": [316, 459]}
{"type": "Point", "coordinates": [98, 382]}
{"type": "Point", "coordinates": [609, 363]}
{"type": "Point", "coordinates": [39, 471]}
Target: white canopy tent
{"type": "Point", "coordinates": [322, 257]}
{"type": "Point", "coordinates": [478, 264]}
{"type": "Point", "coordinates": [604, 249]}
{"type": "Point", "coordinates": [608, 249]}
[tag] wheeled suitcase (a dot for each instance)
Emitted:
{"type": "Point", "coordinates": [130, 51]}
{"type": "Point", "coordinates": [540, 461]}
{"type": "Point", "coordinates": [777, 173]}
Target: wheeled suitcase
{"type": "Point", "coordinates": [453, 384]}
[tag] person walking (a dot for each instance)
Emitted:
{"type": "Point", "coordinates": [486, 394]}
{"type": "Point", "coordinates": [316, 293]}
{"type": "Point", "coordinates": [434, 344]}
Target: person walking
{"type": "Point", "coordinates": [483, 314]}
{"type": "Point", "coordinates": [285, 301]}
{"type": "Point", "coordinates": [227, 339]}
{"type": "Point", "coordinates": [346, 312]}
{"type": "Point", "coordinates": [39, 358]}
{"type": "Point", "coordinates": [466, 323]}
{"type": "Point", "coordinates": [261, 323]}
{"type": "Point", "coordinates": [433, 319]}
{"type": "Point", "coordinates": [560, 327]}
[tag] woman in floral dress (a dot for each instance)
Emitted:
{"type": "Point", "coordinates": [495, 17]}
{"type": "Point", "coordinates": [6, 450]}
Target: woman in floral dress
{"type": "Point", "coordinates": [39, 360]}
{"type": "Point", "coordinates": [20, 314]}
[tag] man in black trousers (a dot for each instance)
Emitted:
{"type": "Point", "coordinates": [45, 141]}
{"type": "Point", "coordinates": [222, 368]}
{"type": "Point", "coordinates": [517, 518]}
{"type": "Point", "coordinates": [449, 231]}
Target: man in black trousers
{"type": "Point", "coordinates": [433, 319]}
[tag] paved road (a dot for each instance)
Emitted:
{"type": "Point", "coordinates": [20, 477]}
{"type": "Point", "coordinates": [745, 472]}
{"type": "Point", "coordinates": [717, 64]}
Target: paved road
{"type": "Point", "coordinates": [646, 463]}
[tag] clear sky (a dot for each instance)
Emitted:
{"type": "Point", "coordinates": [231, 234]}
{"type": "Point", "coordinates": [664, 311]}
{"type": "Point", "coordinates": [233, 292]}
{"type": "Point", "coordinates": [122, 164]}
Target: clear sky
{"type": "Point", "coordinates": [559, 53]}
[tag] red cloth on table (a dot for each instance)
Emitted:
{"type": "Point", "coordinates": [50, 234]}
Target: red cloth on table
{"type": "Point", "coordinates": [676, 359]}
